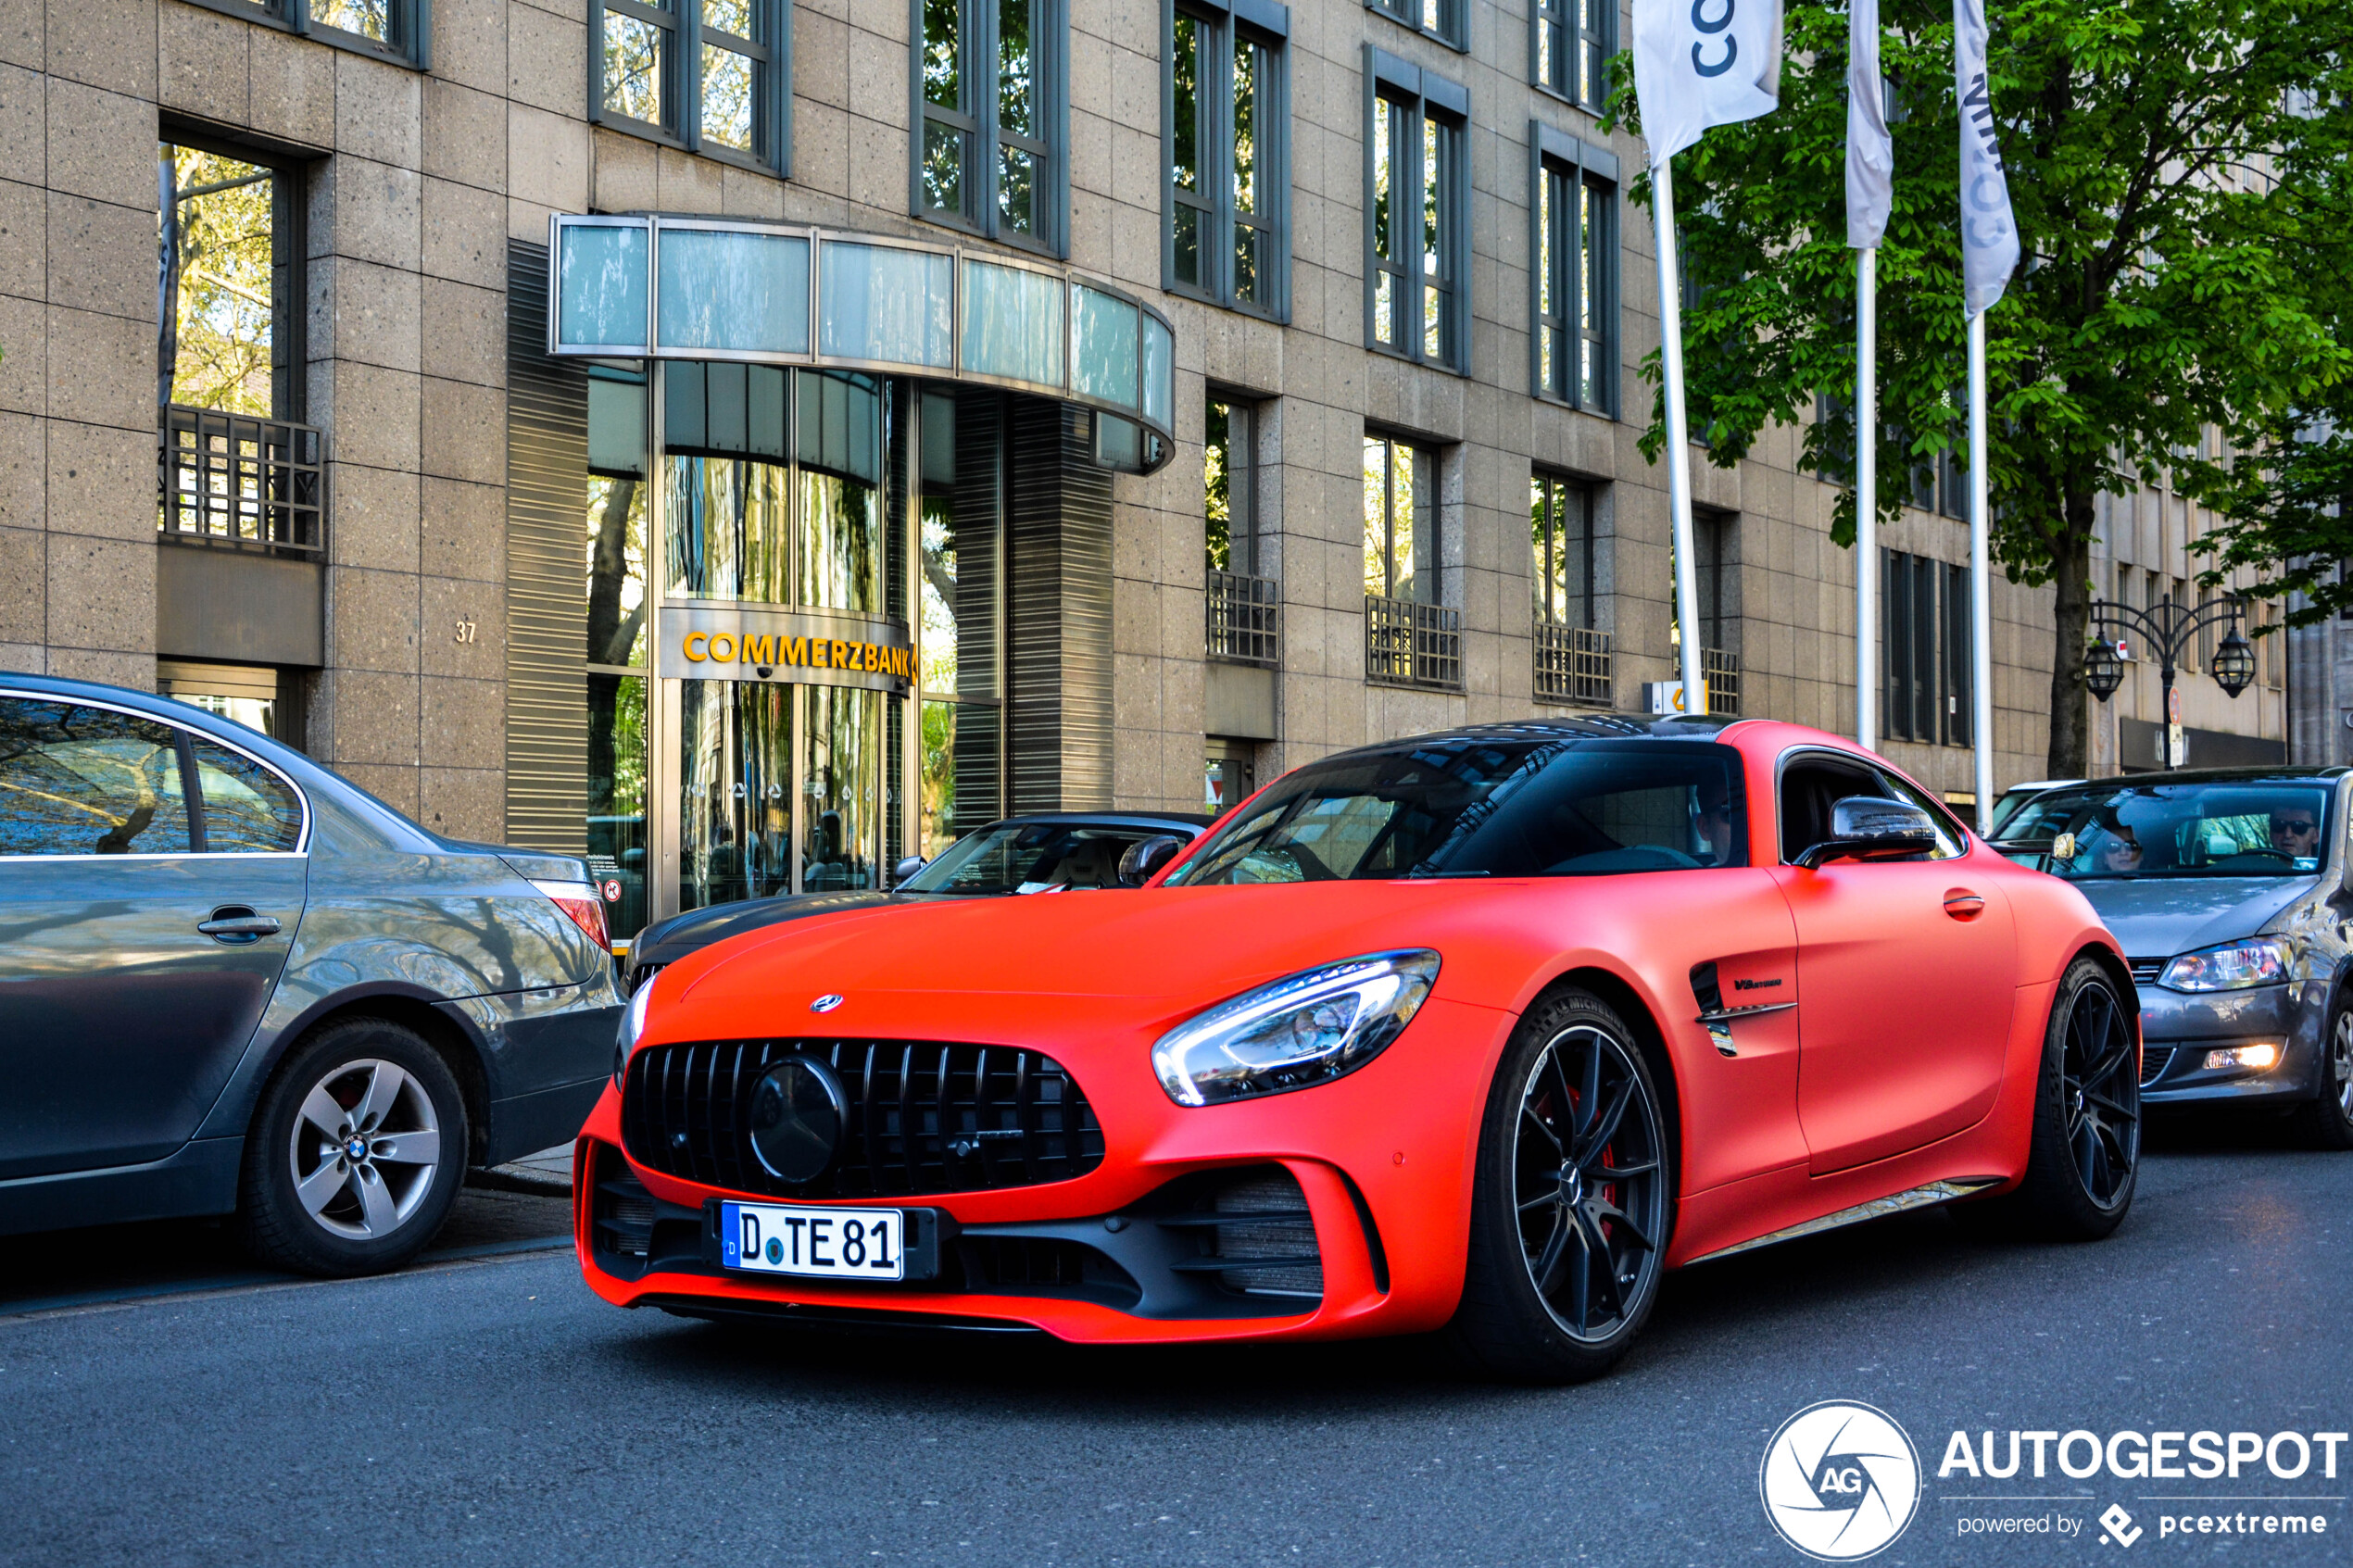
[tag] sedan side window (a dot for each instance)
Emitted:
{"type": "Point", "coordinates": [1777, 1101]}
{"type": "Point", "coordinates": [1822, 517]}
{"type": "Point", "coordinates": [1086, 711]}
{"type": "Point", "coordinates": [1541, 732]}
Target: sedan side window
{"type": "Point", "coordinates": [88, 780]}
{"type": "Point", "coordinates": [247, 809]}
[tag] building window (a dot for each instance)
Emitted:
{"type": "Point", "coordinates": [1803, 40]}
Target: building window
{"type": "Point", "coordinates": [1401, 519]}
{"type": "Point", "coordinates": [990, 89]}
{"type": "Point", "coordinates": [1229, 484]}
{"type": "Point", "coordinates": [1442, 19]}
{"type": "Point", "coordinates": [1575, 271]}
{"type": "Point", "coordinates": [1418, 224]}
{"type": "Point", "coordinates": [390, 30]}
{"type": "Point", "coordinates": [1927, 650]}
{"type": "Point", "coordinates": [962, 765]}
{"type": "Point", "coordinates": [1574, 42]}
{"type": "Point", "coordinates": [1228, 168]}
{"type": "Point", "coordinates": [715, 81]}
{"type": "Point", "coordinates": [1560, 514]}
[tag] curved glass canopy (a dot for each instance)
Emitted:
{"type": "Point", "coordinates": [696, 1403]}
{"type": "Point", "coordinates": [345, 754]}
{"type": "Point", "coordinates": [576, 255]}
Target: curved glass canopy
{"type": "Point", "coordinates": [714, 289]}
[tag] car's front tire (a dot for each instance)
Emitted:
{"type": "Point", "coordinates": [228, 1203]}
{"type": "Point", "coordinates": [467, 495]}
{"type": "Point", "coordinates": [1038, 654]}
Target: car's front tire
{"type": "Point", "coordinates": [2327, 1121]}
{"type": "Point", "coordinates": [2084, 1160]}
{"type": "Point", "coordinates": [356, 1153]}
{"type": "Point", "coordinates": [1573, 1200]}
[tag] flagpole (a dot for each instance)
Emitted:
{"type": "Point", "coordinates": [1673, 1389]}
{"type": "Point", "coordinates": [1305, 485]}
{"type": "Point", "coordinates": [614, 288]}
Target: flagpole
{"type": "Point", "coordinates": [1981, 582]}
{"type": "Point", "coordinates": [1867, 497]}
{"type": "Point", "coordinates": [1678, 450]}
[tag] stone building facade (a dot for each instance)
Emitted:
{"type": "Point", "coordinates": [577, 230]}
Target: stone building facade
{"type": "Point", "coordinates": [414, 168]}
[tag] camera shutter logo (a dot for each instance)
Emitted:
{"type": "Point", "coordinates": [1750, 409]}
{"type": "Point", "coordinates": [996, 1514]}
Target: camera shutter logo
{"type": "Point", "coordinates": [1841, 1481]}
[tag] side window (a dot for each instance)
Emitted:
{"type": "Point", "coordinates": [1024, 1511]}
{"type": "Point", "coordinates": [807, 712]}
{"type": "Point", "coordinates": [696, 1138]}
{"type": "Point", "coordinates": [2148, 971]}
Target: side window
{"type": "Point", "coordinates": [247, 809]}
{"type": "Point", "coordinates": [88, 780]}
{"type": "Point", "coordinates": [1810, 785]}
{"type": "Point", "coordinates": [1950, 840]}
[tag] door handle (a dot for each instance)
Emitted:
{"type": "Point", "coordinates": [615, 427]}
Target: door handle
{"type": "Point", "coordinates": [1961, 904]}
{"type": "Point", "coordinates": [235, 923]}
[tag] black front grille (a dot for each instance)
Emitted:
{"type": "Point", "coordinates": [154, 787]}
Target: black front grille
{"type": "Point", "coordinates": [644, 976]}
{"type": "Point", "coordinates": [2145, 971]}
{"type": "Point", "coordinates": [2155, 1060]}
{"type": "Point", "coordinates": [924, 1117]}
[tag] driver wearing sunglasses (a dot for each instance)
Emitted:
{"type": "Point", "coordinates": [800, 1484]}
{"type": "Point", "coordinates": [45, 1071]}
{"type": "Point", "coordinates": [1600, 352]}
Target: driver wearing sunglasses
{"type": "Point", "coordinates": [2295, 830]}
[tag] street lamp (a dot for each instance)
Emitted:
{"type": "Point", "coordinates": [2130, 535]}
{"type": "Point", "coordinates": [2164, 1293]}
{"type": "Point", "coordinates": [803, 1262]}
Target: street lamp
{"type": "Point", "coordinates": [2234, 663]}
{"type": "Point", "coordinates": [2168, 628]}
{"type": "Point", "coordinates": [2103, 671]}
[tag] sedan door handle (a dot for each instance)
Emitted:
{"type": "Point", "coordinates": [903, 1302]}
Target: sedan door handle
{"type": "Point", "coordinates": [1961, 904]}
{"type": "Point", "coordinates": [238, 924]}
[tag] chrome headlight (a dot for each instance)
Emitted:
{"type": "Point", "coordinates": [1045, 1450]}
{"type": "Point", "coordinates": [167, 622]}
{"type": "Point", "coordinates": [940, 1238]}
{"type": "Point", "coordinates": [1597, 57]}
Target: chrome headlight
{"type": "Point", "coordinates": [2231, 966]}
{"type": "Point", "coordinates": [633, 1023]}
{"type": "Point", "coordinates": [1295, 1033]}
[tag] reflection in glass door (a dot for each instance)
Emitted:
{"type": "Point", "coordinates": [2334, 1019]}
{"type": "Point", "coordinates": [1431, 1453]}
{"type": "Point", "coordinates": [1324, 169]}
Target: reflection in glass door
{"type": "Point", "coordinates": [734, 795]}
{"type": "Point", "coordinates": [842, 778]}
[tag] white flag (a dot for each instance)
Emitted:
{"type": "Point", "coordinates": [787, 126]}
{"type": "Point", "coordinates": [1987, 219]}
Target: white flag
{"type": "Point", "coordinates": [1699, 63]}
{"type": "Point", "coordinates": [1870, 155]}
{"type": "Point", "coordinates": [1989, 233]}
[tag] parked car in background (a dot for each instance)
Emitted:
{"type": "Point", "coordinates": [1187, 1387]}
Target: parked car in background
{"type": "Point", "coordinates": [1044, 852]}
{"type": "Point", "coordinates": [234, 983]}
{"type": "Point", "coordinates": [2006, 804]}
{"type": "Point", "coordinates": [2227, 890]}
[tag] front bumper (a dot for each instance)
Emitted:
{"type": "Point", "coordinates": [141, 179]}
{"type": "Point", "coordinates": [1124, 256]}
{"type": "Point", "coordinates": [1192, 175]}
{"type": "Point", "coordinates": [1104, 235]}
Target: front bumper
{"type": "Point", "coordinates": [1333, 1211]}
{"type": "Point", "coordinates": [2178, 1029]}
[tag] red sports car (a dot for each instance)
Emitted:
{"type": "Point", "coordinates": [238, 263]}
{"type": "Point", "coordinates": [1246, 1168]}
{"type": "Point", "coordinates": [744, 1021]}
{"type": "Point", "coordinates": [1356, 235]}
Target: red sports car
{"type": "Point", "coordinates": [1480, 1031]}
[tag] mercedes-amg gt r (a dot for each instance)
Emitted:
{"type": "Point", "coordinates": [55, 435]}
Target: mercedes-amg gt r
{"type": "Point", "coordinates": [1481, 1032]}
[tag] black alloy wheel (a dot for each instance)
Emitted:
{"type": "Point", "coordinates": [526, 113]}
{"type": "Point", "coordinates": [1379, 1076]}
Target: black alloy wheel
{"type": "Point", "coordinates": [2100, 1093]}
{"type": "Point", "coordinates": [1574, 1200]}
{"type": "Point", "coordinates": [2085, 1155]}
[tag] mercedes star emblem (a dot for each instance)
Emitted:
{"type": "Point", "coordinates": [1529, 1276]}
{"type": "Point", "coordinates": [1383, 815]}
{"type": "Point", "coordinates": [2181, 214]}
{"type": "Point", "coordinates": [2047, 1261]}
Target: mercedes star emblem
{"type": "Point", "coordinates": [825, 1003]}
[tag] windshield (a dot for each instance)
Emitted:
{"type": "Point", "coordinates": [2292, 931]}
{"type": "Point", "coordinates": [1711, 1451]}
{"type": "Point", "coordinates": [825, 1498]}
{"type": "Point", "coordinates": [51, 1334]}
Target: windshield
{"type": "Point", "coordinates": [2263, 828]}
{"type": "Point", "coordinates": [1481, 808]}
{"type": "Point", "coordinates": [1032, 857]}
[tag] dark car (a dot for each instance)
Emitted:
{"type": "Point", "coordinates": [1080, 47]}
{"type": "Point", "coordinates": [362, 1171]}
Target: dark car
{"type": "Point", "coordinates": [232, 982]}
{"type": "Point", "coordinates": [1045, 852]}
{"type": "Point", "coordinates": [2228, 890]}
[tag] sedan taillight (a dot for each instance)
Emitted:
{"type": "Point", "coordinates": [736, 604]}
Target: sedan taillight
{"type": "Point", "coordinates": [579, 900]}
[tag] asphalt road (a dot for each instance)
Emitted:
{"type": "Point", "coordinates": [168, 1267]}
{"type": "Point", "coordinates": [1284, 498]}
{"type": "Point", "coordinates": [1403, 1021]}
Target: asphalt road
{"type": "Point", "coordinates": [487, 1409]}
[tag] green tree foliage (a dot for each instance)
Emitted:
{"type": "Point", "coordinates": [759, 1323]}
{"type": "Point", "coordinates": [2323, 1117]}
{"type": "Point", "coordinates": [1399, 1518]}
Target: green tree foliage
{"type": "Point", "coordinates": [2163, 158]}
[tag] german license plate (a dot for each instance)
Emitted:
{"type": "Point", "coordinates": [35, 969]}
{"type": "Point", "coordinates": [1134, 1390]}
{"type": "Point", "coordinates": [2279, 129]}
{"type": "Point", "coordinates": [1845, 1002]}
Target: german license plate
{"type": "Point", "coordinates": [772, 1238]}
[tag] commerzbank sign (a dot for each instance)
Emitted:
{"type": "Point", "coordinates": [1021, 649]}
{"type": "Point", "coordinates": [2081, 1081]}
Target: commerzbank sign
{"type": "Point", "coordinates": [743, 644]}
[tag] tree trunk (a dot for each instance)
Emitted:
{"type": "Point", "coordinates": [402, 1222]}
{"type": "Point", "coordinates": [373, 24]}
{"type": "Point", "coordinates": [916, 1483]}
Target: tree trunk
{"type": "Point", "coordinates": [2070, 750]}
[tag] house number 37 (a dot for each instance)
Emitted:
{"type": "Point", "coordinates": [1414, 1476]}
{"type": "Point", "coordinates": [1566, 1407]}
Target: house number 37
{"type": "Point", "coordinates": [465, 631]}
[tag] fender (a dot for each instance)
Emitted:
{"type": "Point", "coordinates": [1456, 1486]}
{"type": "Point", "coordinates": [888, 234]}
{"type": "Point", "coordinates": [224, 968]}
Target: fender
{"type": "Point", "coordinates": [273, 1037]}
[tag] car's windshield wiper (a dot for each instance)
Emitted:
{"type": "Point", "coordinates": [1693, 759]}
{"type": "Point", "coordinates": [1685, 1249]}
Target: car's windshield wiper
{"type": "Point", "coordinates": [1420, 873]}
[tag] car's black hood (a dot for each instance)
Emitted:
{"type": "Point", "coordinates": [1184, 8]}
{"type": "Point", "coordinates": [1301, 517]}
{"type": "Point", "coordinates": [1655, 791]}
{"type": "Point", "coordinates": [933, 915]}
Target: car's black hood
{"type": "Point", "coordinates": [2156, 917]}
{"type": "Point", "coordinates": [666, 941]}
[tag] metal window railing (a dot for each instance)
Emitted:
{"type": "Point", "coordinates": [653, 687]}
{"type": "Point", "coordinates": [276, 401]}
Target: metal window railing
{"type": "Point", "coordinates": [1721, 671]}
{"type": "Point", "coordinates": [1410, 643]}
{"type": "Point", "coordinates": [239, 483]}
{"type": "Point", "coordinates": [1245, 618]}
{"type": "Point", "coordinates": [1574, 664]}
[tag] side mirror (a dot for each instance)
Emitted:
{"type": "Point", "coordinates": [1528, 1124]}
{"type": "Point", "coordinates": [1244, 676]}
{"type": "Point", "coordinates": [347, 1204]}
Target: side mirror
{"type": "Point", "coordinates": [906, 869]}
{"type": "Point", "coordinates": [1146, 857]}
{"type": "Point", "coordinates": [1865, 827]}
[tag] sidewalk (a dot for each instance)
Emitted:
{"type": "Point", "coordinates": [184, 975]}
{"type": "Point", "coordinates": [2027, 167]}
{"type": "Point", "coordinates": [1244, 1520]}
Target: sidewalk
{"type": "Point", "coordinates": [548, 1171]}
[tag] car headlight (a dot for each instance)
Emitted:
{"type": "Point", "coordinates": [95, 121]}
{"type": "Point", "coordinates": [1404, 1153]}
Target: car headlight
{"type": "Point", "coordinates": [2231, 966]}
{"type": "Point", "coordinates": [633, 1023]}
{"type": "Point", "coordinates": [1295, 1033]}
